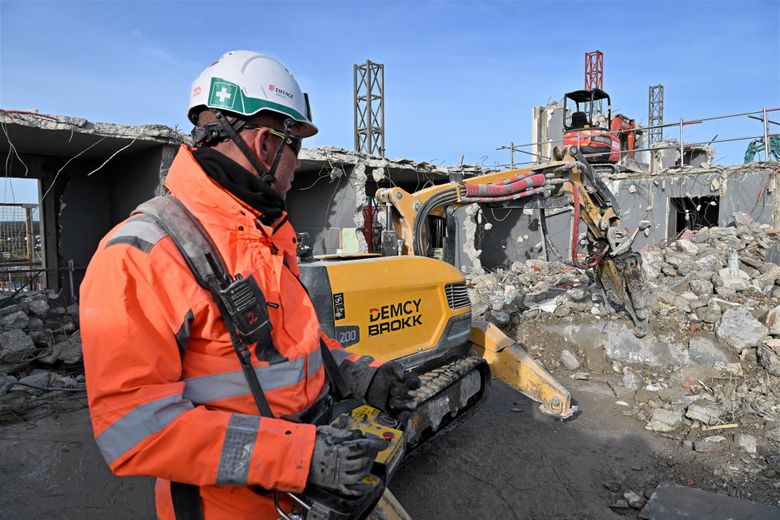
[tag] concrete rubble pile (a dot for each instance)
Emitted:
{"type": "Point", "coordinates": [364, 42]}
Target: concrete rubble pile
{"type": "Point", "coordinates": [40, 352]}
{"type": "Point", "coordinates": [708, 372]}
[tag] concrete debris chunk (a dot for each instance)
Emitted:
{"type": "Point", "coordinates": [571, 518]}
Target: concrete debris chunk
{"type": "Point", "coordinates": [735, 282]}
{"type": "Point", "coordinates": [664, 420]}
{"type": "Point", "coordinates": [768, 356]}
{"type": "Point", "coordinates": [687, 247]}
{"type": "Point", "coordinates": [9, 309]}
{"type": "Point", "coordinates": [35, 383]}
{"type": "Point", "coordinates": [701, 287]}
{"type": "Point", "coordinates": [710, 444]}
{"type": "Point", "coordinates": [705, 350]}
{"type": "Point", "coordinates": [630, 380]}
{"type": "Point", "coordinates": [15, 346]}
{"type": "Point", "coordinates": [569, 360]}
{"type": "Point", "coordinates": [710, 313]}
{"type": "Point", "coordinates": [773, 321]}
{"type": "Point", "coordinates": [747, 443]}
{"type": "Point", "coordinates": [740, 330]}
{"type": "Point", "coordinates": [16, 320]}
{"type": "Point", "coordinates": [39, 307]}
{"type": "Point", "coordinates": [634, 499]}
{"type": "Point", "coordinates": [704, 412]}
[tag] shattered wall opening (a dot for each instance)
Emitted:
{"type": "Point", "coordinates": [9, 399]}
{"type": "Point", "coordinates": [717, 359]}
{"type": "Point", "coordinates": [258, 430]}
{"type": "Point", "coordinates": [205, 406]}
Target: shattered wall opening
{"type": "Point", "coordinates": [693, 213]}
{"type": "Point", "coordinates": [92, 175]}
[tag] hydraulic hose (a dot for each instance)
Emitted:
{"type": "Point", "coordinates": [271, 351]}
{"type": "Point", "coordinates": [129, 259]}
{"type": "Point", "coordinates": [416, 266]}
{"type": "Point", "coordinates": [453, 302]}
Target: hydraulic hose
{"type": "Point", "coordinates": [503, 189]}
{"type": "Point", "coordinates": [523, 194]}
{"type": "Point", "coordinates": [440, 199]}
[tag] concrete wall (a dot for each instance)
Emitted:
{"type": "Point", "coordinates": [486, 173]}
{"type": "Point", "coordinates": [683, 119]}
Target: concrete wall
{"type": "Point", "coordinates": [738, 192]}
{"type": "Point", "coordinates": [323, 208]}
{"type": "Point", "coordinates": [514, 234]}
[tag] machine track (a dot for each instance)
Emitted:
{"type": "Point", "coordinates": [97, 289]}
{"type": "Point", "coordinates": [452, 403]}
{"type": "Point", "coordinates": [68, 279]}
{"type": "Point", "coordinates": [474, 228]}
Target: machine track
{"type": "Point", "coordinates": [449, 395]}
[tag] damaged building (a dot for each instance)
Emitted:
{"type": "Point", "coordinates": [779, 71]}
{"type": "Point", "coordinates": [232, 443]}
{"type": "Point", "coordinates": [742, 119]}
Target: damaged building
{"type": "Point", "coordinates": [92, 175]}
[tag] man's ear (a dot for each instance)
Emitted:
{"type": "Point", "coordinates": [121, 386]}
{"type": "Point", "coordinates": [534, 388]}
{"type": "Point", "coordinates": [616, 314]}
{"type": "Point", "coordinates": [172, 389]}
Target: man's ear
{"type": "Point", "coordinates": [262, 146]}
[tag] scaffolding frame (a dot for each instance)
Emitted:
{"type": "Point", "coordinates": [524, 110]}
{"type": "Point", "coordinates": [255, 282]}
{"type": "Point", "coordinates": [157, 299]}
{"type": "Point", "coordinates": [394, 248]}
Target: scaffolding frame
{"type": "Point", "coordinates": [368, 81]}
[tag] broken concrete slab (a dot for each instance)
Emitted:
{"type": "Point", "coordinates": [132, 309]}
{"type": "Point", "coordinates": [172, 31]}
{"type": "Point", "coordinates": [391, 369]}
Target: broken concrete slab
{"type": "Point", "coordinates": [768, 356]}
{"type": "Point", "coordinates": [16, 320]}
{"type": "Point", "coordinates": [15, 346]}
{"type": "Point", "coordinates": [740, 282]}
{"type": "Point", "coordinates": [740, 330]}
{"type": "Point", "coordinates": [38, 307]}
{"type": "Point", "coordinates": [569, 360]}
{"type": "Point", "coordinates": [673, 502]}
{"type": "Point", "coordinates": [705, 350]}
{"type": "Point", "coordinates": [619, 342]}
{"type": "Point", "coordinates": [664, 420]}
{"type": "Point", "coordinates": [701, 287]}
{"type": "Point", "coordinates": [704, 412]}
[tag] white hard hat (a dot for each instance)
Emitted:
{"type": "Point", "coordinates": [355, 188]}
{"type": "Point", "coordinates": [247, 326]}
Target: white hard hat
{"type": "Point", "coordinates": [246, 83]}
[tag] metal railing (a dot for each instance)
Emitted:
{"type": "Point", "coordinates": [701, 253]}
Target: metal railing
{"type": "Point", "coordinates": [26, 278]}
{"type": "Point", "coordinates": [681, 145]}
{"type": "Point", "coordinates": [20, 246]}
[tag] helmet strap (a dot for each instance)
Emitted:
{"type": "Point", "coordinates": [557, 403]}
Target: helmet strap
{"type": "Point", "coordinates": [288, 124]}
{"type": "Point", "coordinates": [230, 132]}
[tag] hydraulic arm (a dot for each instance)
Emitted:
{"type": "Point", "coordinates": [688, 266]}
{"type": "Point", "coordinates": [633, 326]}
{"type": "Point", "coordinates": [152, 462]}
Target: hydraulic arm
{"type": "Point", "coordinates": [608, 244]}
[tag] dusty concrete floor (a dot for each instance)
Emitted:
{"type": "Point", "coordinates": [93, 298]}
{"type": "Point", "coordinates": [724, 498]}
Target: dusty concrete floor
{"type": "Point", "coordinates": [507, 461]}
{"type": "Point", "coordinates": [510, 461]}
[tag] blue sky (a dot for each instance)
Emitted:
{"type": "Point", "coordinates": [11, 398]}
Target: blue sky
{"type": "Point", "coordinates": [461, 78]}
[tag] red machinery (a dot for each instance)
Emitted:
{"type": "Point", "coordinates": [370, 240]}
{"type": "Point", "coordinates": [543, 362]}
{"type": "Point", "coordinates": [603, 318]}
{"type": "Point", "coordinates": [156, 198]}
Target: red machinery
{"type": "Point", "coordinates": [625, 130]}
{"type": "Point", "coordinates": [598, 144]}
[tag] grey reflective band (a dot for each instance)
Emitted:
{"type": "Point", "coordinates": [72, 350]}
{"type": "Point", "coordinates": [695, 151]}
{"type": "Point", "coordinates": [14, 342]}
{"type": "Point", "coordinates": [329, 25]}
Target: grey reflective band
{"type": "Point", "coordinates": [340, 355]}
{"type": "Point", "coordinates": [204, 389]}
{"type": "Point", "coordinates": [139, 232]}
{"type": "Point", "coordinates": [139, 424]}
{"type": "Point", "coordinates": [237, 450]}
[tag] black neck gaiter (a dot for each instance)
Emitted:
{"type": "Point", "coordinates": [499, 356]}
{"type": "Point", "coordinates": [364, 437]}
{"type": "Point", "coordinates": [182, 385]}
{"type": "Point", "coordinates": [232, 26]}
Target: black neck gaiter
{"type": "Point", "coordinates": [242, 183]}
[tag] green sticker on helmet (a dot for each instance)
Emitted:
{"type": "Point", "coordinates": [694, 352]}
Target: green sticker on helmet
{"type": "Point", "coordinates": [227, 95]}
{"type": "Point", "coordinates": [224, 94]}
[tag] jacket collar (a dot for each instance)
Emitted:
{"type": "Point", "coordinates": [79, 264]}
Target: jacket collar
{"type": "Point", "coordinates": [209, 201]}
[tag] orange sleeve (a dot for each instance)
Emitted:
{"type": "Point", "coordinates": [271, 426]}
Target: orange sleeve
{"type": "Point", "coordinates": [133, 301]}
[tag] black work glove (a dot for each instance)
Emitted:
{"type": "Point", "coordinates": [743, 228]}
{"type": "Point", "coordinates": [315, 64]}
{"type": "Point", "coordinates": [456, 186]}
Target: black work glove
{"type": "Point", "coordinates": [393, 389]}
{"type": "Point", "coordinates": [342, 458]}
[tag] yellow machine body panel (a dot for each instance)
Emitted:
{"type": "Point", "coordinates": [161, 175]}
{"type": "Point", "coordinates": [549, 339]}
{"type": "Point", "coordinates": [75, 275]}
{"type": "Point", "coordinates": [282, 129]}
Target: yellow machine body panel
{"type": "Point", "coordinates": [390, 307]}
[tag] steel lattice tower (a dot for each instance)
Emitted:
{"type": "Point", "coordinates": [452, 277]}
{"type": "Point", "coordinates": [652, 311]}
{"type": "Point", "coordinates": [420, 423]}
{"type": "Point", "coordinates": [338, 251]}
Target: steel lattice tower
{"type": "Point", "coordinates": [594, 70]}
{"type": "Point", "coordinates": [594, 74]}
{"type": "Point", "coordinates": [655, 114]}
{"type": "Point", "coordinates": [369, 88]}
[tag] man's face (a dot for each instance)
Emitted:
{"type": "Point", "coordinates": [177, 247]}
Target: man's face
{"type": "Point", "coordinates": [264, 136]}
{"type": "Point", "coordinates": [285, 171]}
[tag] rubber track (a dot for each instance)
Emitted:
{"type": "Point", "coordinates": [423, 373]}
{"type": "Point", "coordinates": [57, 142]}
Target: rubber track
{"type": "Point", "coordinates": [440, 378]}
{"type": "Point", "coordinates": [435, 381]}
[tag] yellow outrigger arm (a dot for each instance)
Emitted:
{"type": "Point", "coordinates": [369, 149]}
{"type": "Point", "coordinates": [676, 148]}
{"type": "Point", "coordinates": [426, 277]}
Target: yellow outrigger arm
{"type": "Point", "coordinates": [513, 365]}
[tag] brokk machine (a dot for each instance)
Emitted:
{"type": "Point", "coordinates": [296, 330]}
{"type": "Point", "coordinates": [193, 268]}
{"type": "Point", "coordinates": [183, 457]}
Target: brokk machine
{"type": "Point", "coordinates": [410, 307]}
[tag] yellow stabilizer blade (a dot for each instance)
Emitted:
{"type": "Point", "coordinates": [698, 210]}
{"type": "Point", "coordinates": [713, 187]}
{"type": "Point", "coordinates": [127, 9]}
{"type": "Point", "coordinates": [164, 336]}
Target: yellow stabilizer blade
{"type": "Point", "coordinates": [513, 365]}
{"type": "Point", "coordinates": [389, 508]}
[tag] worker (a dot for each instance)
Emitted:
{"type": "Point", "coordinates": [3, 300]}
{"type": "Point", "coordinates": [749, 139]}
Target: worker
{"type": "Point", "coordinates": [166, 392]}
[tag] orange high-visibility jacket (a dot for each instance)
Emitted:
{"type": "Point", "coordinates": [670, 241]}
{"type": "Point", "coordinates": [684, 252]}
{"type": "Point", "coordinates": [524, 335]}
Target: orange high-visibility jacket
{"type": "Point", "coordinates": [166, 392]}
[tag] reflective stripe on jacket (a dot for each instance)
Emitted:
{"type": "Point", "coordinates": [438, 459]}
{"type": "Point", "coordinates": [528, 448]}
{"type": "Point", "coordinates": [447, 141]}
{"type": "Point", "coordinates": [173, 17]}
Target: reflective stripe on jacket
{"type": "Point", "coordinates": [166, 392]}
